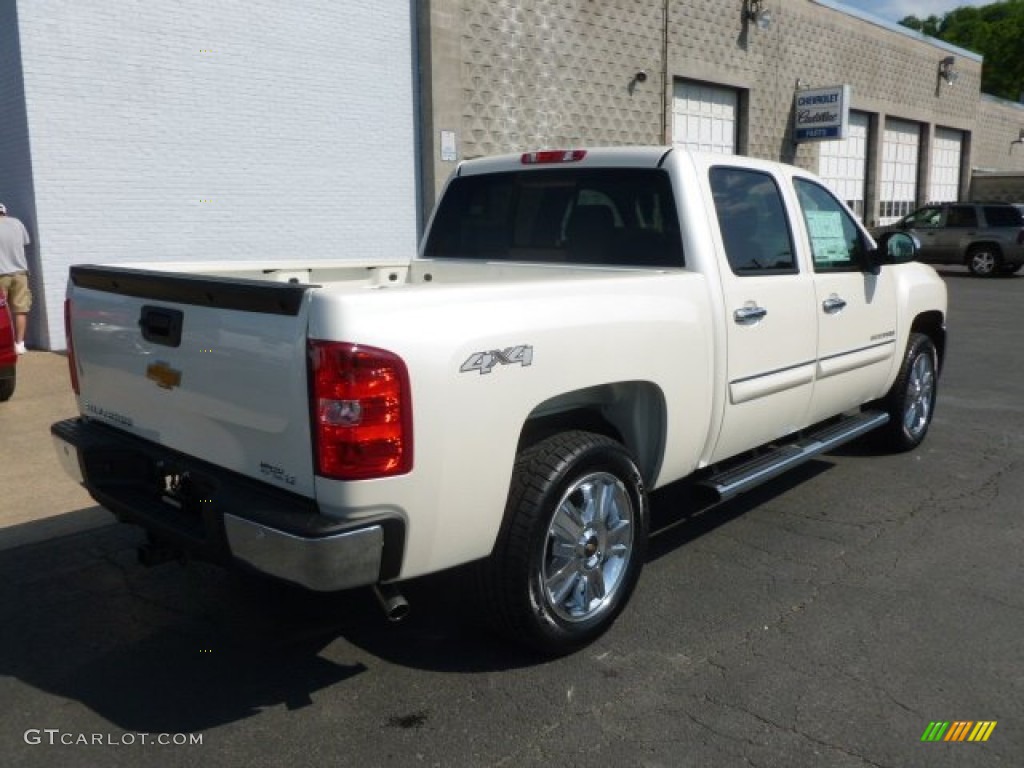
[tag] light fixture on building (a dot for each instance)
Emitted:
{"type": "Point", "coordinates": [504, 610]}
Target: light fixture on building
{"type": "Point", "coordinates": [755, 13]}
{"type": "Point", "coordinates": [638, 78]}
{"type": "Point", "coordinates": [946, 71]}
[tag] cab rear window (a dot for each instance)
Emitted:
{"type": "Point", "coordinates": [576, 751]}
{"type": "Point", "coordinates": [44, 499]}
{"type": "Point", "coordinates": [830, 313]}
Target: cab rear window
{"type": "Point", "coordinates": [622, 217]}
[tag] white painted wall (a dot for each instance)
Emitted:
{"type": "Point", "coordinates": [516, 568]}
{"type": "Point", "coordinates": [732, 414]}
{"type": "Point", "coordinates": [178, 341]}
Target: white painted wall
{"type": "Point", "coordinates": [211, 130]}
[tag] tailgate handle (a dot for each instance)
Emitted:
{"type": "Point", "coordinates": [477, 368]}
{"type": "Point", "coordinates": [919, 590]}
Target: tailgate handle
{"type": "Point", "coordinates": [161, 326]}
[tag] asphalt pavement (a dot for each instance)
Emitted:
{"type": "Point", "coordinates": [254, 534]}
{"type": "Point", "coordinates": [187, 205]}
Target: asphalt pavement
{"type": "Point", "coordinates": [825, 619]}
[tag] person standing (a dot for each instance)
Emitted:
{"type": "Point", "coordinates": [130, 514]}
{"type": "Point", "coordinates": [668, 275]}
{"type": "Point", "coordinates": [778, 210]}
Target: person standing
{"type": "Point", "coordinates": [14, 273]}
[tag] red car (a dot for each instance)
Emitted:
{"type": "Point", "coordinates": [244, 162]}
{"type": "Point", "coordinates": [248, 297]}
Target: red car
{"type": "Point", "coordinates": [8, 357]}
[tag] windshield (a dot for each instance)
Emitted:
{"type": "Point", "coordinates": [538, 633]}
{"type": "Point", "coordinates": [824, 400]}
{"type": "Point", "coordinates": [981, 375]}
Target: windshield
{"type": "Point", "coordinates": [618, 216]}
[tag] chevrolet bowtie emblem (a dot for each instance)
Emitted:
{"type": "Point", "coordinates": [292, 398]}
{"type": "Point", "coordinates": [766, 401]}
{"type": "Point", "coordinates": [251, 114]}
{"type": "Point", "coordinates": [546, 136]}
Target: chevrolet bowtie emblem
{"type": "Point", "coordinates": [164, 376]}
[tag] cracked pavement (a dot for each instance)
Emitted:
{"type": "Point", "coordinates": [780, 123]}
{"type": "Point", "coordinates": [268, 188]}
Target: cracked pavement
{"type": "Point", "coordinates": [822, 620]}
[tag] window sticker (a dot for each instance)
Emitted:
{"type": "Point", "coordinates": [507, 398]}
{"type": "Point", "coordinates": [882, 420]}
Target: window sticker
{"type": "Point", "coordinates": [827, 239]}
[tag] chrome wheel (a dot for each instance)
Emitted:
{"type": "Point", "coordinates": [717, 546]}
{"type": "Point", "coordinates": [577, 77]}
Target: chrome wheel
{"type": "Point", "coordinates": [920, 397]}
{"type": "Point", "coordinates": [983, 263]}
{"type": "Point", "coordinates": [572, 544]}
{"type": "Point", "coordinates": [588, 547]}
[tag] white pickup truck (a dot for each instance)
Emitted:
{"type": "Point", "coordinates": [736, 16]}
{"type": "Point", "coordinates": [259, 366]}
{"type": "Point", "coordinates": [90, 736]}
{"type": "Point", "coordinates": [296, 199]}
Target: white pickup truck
{"type": "Point", "coordinates": [579, 327]}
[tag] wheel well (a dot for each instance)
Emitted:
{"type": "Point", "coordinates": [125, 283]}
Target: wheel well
{"type": "Point", "coordinates": [979, 246]}
{"type": "Point", "coordinates": [932, 324]}
{"type": "Point", "coordinates": [632, 412]}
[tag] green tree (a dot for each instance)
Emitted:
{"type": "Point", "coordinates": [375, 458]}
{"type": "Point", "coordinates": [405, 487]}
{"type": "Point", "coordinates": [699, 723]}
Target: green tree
{"type": "Point", "coordinates": [929, 26]}
{"type": "Point", "coordinates": [996, 31]}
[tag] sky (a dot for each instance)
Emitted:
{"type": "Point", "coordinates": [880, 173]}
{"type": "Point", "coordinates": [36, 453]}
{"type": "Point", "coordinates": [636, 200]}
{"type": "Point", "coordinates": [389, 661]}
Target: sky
{"type": "Point", "coordinates": [894, 10]}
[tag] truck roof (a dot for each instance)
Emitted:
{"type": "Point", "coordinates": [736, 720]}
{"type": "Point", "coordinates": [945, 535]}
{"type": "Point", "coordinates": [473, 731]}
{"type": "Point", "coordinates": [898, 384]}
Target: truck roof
{"type": "Point", "coordinates": [579, 157]}
{"type": "Point", "coordinates": [605, 157]}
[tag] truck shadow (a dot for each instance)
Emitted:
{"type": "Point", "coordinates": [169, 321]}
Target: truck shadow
{"type": "Point", "coordinates": [682, 511]}
{"type": "Point", "coordinates": [185, 648]}
{"type": "Point", "coordinates": [182, 648]}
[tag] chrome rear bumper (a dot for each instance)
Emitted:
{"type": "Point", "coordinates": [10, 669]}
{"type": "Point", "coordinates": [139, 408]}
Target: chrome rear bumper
{"type": "Point", "coordinates": [325, 564]}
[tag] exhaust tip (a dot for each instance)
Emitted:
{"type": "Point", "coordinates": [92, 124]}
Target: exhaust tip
{"type": "Point", "coordinates": [394, 605]}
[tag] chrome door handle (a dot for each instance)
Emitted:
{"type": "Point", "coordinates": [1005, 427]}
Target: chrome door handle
{"type": "Point", "coordinates": [749, 315]}
{"type": "Point", "coordinates": [833, 304]}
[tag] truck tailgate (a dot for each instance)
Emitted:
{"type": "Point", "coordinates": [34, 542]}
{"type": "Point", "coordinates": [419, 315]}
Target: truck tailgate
{"type": "Point", "coordinates": [212, 367]}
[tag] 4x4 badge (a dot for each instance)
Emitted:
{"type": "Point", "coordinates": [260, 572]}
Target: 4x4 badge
{"type": "Point", "coordinates": [484, 362]}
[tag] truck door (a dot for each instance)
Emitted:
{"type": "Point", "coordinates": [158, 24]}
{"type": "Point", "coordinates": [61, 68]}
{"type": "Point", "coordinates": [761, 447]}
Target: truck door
{"type": "Point", "coordinates": [770, 313]}
{"type": "Point", "coordinates": [855, 309]}
{"type": "Point", "coordinates": [958, 229]}
{"type": "Point", "coordinates": [926, 225]}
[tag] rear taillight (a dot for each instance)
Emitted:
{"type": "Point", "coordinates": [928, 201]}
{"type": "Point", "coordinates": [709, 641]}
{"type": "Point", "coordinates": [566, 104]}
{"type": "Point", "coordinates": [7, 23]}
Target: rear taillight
{"type": "Point", "coordinates": [361, 411]}
{"type": "Point", "coordinates": [72, 366]}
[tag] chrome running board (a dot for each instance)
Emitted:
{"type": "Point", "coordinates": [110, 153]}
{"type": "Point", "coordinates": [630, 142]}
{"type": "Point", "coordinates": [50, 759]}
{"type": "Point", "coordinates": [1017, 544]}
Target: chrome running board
{"type": "Point", "coordinates": [742, 477]}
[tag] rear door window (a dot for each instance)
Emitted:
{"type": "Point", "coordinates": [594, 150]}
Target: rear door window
{"type": "Point", "coordinates": [1003, 216]}
{"type": "Point", "coordinates": [752, 220]}
{"type": "Point", "coordinates": [961, 216]}
{"type": "Point", "coordinates": [618, 216]}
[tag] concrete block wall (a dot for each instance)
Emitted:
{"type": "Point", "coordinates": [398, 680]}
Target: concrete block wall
{"type": "Point", "coordinates": [890, 73]}
{"type": "Point", "coordinates": [1003, 186]}
{"type": "Point", "coordinates": [507, 75]}
{"type": "Point", "coordinates": [1000, 124]}
{"type": "Point", "coordinates": [217, 130]}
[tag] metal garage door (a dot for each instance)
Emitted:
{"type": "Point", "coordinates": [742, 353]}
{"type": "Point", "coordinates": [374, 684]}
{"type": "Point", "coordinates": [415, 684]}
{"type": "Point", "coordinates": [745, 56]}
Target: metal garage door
{"type": "Point", "coordinates": [704, 117]}
{"type": "Point", "coordinates": [842, 164]}
{"type": "Point", "coordinates": [900, 149]}
{"type": "Point", "coordinates": [944, 184]}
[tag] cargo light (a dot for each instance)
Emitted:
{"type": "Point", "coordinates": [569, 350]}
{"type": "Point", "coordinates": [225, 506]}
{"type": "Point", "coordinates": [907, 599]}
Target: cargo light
{"type": "Point", "coordinates": [553, 156]}
{"type": "Point", "coordinates": [361, 411]}
{"type": "Point", "coordinates": [72, 365]}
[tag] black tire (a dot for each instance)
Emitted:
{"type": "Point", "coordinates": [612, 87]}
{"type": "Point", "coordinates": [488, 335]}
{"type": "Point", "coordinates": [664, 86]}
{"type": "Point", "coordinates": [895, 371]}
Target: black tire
{"type": "Point", "coordinates": [543, 583]}
{"type": "Point", "coordinates": [911, 401]}
{"type": "Point", "coordinates": [8, 378]}
{"type": "Point", "coordinates": [984, 261]}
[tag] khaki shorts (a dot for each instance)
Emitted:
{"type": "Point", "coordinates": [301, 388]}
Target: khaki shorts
{"type": "Point", "coordinates": [18, 294]}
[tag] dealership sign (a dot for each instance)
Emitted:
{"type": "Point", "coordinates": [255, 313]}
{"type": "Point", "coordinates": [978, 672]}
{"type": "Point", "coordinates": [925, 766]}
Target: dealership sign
{"type": "Point", "coordinates": [822, 113]}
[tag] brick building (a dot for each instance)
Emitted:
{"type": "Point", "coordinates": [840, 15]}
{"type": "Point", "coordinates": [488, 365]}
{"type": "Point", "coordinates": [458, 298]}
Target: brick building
{"type": "Point", "coordinates": [718, 75]}
{"type": "Point", "coordinates": [200, 130]}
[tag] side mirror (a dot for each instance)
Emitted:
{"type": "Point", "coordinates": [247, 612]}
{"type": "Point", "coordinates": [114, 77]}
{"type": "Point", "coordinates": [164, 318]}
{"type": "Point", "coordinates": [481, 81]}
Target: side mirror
{"type": "Point", "coordinates": [894, 248]}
